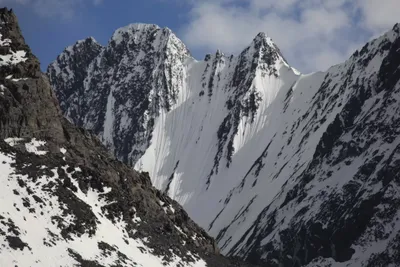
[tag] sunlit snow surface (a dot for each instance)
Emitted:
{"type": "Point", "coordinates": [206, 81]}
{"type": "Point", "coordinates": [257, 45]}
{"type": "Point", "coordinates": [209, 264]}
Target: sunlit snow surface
{"type": "Point", "coordinates": [29, 209]}
{"type": "Point", "coordinates": [2, 88]}
{"type": "Point", "coordinates": [32, 147]}
{"type": "Point", "coordinates": [187, 135]}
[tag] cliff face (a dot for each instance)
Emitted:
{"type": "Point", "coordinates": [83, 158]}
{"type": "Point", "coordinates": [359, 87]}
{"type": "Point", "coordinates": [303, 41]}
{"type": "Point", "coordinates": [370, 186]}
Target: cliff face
{"type": "Point", "coordinates": [63, 198]}
{"type": "Point", "coordinates": [24, 88]}
{"type": "Point", "coordinates": [282, 168]}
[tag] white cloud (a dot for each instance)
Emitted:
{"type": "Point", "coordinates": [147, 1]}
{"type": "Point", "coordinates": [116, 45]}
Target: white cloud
{"type": "Point", "coordinates": [379, 15]}
{"type": "Point", "coordinates": [312, 34]}
{"type": "Point", "coordinates": [64, 9]}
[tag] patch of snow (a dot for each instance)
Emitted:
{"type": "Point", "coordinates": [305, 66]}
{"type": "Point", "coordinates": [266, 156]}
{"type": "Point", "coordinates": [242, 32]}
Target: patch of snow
{"type": "Point", "coordinates": [33, 145]}
{"type": "Point", "coordinates": [2, 88]}
{"type": "Point", "coordinates": [172, 209]}
{"type": "Point", "coordinates": [20, 79]}
{"type": "Point", "coordinates": [13, 58]}
{"type": "Point", "coordinates": [13, 141]}
{"type": "Point", "coordinates": [5, 42]}
{"type": "Point", "coordinates": [180, 230]}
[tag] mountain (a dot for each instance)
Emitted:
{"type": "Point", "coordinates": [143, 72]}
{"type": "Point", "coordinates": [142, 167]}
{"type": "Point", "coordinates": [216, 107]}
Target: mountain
{"type": "Point", "coordinates": [63, 199]}
{"type": "Point", "coordinates": [282, 168]}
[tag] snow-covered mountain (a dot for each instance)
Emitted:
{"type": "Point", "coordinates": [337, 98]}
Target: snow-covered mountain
{"type": "Point", "coordinates": [63, 200]}
{"type": "Point", "coordinates": [284, 169]}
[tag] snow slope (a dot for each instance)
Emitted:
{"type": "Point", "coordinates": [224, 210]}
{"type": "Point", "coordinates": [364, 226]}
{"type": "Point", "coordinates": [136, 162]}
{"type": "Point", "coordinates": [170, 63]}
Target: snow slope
{"type": "Point", "coordinates": [282, 168]}
{"type": "Point", "coordinates": [30, 224]}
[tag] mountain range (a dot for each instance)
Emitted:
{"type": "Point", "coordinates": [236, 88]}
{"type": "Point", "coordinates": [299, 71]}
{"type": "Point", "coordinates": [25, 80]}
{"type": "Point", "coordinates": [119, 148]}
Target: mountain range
{"type": "Point", "coordinates": [282, 168]}
{"type": "Point", "coordinates": [64, 200]}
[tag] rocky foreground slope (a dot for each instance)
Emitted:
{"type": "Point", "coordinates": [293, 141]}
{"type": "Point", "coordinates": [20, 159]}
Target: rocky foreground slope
{"type": "Point", "coordinates": [63, 200]}
{"type": "Point", "coordinates": [282, 168]}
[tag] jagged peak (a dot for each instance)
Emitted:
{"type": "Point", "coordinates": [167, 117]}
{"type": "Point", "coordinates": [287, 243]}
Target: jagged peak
{"type": "Point", "coordinates": [265, 49]}
{"type": "Point", "coordinates": [219, 53]}
{"type": "Point", "coordinates": [133, 29]}
{"type": "Point", "coordinates": [389, 36]}
{"type": "Point", "coordinates": [89, 41]}
{"type": "Point", "coordinates": [146, 34]}
{"type": "Point", "coordinates": [262, 39]}
{"type": "Point", "coordinates": [79, 45]}
{"type": "Point", "coordinates": [260, 36]}
{"type": "Point", "coordinates": [396, 27]}
{"type": "Point", "coordinates": [394, 33]}
{"type": "Point", "coordinates": [82, 49]}
{"type": "Point", "coordinates": [5, 10]}
{"type": "Point", "coordinates": [137, 27]}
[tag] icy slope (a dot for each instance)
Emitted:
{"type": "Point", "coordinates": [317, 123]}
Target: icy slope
{"type": "Point", "coordinates": [282, 168]}
{"type": "Point", "coordinates": [63, 200]}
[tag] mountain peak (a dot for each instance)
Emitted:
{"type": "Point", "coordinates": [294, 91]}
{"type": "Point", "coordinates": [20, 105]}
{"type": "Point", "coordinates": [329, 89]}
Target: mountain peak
{"type": "Point", "coordinates": [219, 53]}
{"type": "Point", "coordinates": [396, 27]}
{"type": "Point", "coordinates": [137, 27]}
{"type": "Point", "coordinates": [261, 35]}
{"type": "Point", "coordinates": [262, 38]}
{"type": "Point", "coordinates": [265, 46]}
{"type": "Point", "coordinates": [147, 36]}
{"type": "Point", "coordinates": [89, 39]}
{"type": "Point", "coordinates": [132, 30]}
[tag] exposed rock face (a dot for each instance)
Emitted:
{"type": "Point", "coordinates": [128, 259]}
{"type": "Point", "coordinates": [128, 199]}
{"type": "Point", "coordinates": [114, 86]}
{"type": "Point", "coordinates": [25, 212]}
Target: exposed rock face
{"type": "Point", "coordinates": [75, 71]}
{"type": "Point", "coordinates": [28, 88]}
{"type": "Point", "coordinates": [125, 85]}
{"type": "Point", "coordinates": [64, 199]}
{"type": "Point", "coordinates": [284, 169]}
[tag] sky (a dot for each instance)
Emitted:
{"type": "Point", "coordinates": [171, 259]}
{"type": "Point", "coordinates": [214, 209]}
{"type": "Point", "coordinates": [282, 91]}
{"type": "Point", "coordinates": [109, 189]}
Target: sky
{"type": "Point", "coordinates": [312, 34]}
